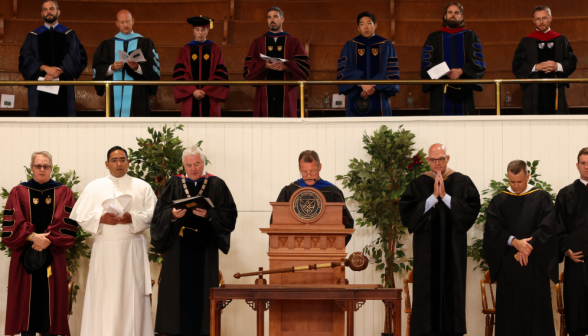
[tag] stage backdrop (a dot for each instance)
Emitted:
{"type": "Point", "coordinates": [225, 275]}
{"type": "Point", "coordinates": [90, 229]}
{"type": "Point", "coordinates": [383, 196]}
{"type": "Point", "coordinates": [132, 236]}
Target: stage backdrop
{"type": "Point", "coordinates": [257, 157]}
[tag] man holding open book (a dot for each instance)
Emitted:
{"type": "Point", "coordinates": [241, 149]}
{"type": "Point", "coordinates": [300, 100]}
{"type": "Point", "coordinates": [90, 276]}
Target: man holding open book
{"type": "Point", "coordinates": [193, 219]}
{"type": "Point", "coordinates": [452, 52]}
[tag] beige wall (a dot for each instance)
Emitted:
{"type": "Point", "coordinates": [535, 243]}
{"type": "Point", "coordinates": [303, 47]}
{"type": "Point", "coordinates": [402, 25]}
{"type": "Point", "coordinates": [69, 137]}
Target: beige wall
{"type": "Point", "coordinates": [258, 157]}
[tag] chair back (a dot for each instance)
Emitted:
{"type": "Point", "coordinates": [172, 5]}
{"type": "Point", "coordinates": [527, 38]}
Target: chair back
{"type": "Point", "coordinates": [487, 281]}
{"type": "Point", "coordinates": [558, 291]}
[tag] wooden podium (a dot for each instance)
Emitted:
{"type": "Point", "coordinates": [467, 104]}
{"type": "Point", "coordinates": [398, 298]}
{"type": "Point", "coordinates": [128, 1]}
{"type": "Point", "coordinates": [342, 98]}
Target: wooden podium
{"type": "Point", "coordinates": [307, 230]}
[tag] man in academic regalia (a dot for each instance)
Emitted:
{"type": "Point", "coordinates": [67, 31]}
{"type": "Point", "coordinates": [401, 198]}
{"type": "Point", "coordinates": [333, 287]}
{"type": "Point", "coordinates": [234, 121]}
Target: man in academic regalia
{"type": "Point", "coordinates": [128, 100]}
{"type": "Point", "coordinates": [544, 54]}
{"type": "Point", "coordinates": [52, 51]}
{"type": "Point", "coordinates": [520, 245]}
{"type": "Point", "coordinates": [368, 56]}
{"type": "Point", "coordinates": [439, 207]}
{"type": "Point", "coordinates": [292, 64]}
{"type": "Point", "coordinates": [571, 214]}
{"type": "Point", "coordinates": [190, 241]}
{"type": "Point", "coordinates": [198, 60]}
{"type": "Point", "coordinates": [310, 167]}
{"type": "Point", "coordinates": [461, 49]}
{"type": "Point", "coordinates": [37, 225]}
{"type": "Point", "coordinates": [116, 209]}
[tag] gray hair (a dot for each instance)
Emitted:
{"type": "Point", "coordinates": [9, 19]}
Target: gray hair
{"type": "Point", "coordinates": [54, 1]}
{"type": "Point", "coordinates": [542, 8]}
{"type": "Point", "coordinates": [45, 154]}
{"type": "Point", "coordinates": [277, 9]}
{"type": "Point", "coordinates": [193, 151]}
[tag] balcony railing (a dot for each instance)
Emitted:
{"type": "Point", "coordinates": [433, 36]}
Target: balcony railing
{"type": "Point", "coordinates": [302, 84]}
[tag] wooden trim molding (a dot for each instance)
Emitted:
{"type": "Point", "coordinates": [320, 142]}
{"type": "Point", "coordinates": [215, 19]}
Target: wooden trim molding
{"type": "Point", "coordinates": [14, 8]}
{"type": "Point", "coordinates": [225, 30]}
{"type": "Point", "coordinates": [2, 28]}
{"type": "Point", "coordinates": [392, 23]}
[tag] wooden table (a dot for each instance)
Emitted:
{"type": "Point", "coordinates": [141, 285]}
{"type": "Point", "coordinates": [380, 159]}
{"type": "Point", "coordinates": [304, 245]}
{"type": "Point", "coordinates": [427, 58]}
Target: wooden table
{"type": "Point", "coordinates": [260, 298]}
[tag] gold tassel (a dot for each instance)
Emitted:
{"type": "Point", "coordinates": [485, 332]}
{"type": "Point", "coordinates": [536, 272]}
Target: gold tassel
{"type": "Point", "coordinates": [556, 96]}
{"type": "Point", "coordinates": [210, 24]}
{"type": "Point", "coordinates": [182, 231]}
{"type": "Point", "coordinates": [49, 271]}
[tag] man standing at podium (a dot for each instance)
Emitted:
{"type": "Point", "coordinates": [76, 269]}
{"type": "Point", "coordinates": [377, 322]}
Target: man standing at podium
{"type": "Point", "coordinates": [310, 166]}
{"type": "Point", "coordinates": [439, 207]}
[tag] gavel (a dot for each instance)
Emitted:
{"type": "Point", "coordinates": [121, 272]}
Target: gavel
{"type": "Point", "coordinates": [357, 261]}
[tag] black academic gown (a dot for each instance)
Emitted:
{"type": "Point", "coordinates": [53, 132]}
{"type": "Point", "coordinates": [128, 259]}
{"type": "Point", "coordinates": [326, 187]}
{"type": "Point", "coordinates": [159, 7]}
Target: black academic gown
{"type": "Point", "coordinates": [541, 98]}
{"type": "Point", "coordinates": [571, 214]}
{"type": "Point", "coordinates": [57, 47]}
{"type": "Point", "coordinates": [103, 59]}
{"type": "Point", "coordinates": [523, 295]}
{"type": "Point", "coordinates": [462, 50]}
{"type": "Point", "coordinates": [440, 252]}
{"type": "Point", "coordinates": [191, 263]}
{"type": "Point", "coordinates": [331, 193]}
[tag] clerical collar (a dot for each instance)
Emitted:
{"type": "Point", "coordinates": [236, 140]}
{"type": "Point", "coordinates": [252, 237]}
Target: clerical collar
{"type": "Point", "coordinates": [53, 25]}
{"type": "Point", "coordinates": [114, 179]}
{"type": "Point", "coordinates": [41, 186]}
{"type": "Point", "coordinates": [529, 187]}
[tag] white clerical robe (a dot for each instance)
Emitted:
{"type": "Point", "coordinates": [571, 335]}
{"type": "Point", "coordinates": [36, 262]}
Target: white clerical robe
{"type": "Point", "coordinates": [119, 281]}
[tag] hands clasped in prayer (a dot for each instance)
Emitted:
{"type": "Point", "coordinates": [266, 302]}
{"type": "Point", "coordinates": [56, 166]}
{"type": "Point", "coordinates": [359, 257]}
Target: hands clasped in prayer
{"type": "Point", "coordinates": [548, 66]}
{"type": "Point", "coordinates": [277, 66]}
{"type": "Point", "coordinates": [52, 72]}
{"type": "Point", "coordinates": [114, 219]}
{"type": "Point", "coordinates": [439, 190]}
{"type": "Point", "coordinates": [199, 94]}
{"type": "Point", "coordinates": [181, 213]}
{"type": "Point", "coordinates": [368, 90]}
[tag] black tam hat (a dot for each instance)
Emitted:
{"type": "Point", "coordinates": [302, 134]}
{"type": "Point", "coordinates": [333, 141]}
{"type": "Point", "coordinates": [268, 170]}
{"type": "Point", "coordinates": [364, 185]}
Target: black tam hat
{"type": "Point", "coordinates": [201, 21]}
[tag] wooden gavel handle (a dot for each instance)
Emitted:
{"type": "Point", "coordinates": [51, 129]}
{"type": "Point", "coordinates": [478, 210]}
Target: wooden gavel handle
{"type": "Point", "coordinates": [291, 269]}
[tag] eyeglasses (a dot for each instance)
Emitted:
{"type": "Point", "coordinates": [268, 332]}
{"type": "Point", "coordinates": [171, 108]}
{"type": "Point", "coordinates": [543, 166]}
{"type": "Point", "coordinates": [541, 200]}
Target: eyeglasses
{"type": "Point", "coordinates": [305, 173]}
{"type": "Point", "coordinates": [441, 160]}
{"type": "Point", "coordinates": [123, 22]}
{"type": "Point", "coordinates": [39, 167]}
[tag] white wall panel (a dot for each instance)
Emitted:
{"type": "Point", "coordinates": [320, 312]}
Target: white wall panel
{"type": "Point", "coordinates": [257, 157]}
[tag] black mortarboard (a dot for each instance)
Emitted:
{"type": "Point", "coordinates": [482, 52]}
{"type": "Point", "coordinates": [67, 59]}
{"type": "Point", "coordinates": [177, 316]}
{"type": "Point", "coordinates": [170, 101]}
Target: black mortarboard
{"type": "Point", "coordinates": [200, 21]}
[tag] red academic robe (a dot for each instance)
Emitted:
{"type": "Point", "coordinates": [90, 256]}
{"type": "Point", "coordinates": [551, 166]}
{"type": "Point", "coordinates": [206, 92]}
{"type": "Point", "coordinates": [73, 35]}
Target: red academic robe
{"type": "Point", "coordinates": [201, 61]}
{"type": "Point", "coordinates": [276, 100]}
{"type": "Point", "coordinates": [38, 302]}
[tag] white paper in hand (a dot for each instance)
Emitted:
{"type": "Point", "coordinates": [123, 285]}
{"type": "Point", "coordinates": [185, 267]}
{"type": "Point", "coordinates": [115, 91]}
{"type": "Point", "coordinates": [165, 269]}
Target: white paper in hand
{"type": "Point", "coordinates": [53, 89]}
{"type": "Point", "coordinates": [136, 56]}
{"type": "Point", "coordinates": [272, 59]}
{"type": "Point", "coordinates": [438, 71]}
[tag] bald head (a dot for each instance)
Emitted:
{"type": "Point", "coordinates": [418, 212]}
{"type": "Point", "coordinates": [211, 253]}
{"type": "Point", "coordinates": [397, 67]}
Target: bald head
{"type": "Point", "coordinates": [125, 21]}
{"type": "Point", "coordinates": [438, 158]}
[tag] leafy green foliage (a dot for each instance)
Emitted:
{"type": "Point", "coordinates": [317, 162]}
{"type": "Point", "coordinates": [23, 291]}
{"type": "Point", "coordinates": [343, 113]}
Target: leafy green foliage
{"type": "Point", "coordinates": [377, 186]}
{"type": "Point", "coordinates": [80, 248]}
{"type": "Point", "coordinates": [158, 158]}
{"type": "Point", "coordinates": [475, 251]}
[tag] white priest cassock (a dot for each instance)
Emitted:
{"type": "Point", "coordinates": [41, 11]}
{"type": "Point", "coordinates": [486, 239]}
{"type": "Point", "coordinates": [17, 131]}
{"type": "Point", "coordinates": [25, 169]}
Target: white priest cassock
{"type": "Point", "coordinates": [119, 282]}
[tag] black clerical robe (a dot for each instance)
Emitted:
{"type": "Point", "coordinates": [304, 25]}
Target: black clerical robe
{"type": "Point", "coordinates": [460, 49]}
{"type": "Point", "coordinates": [329, 190]}
{"type": "Point", "coordinates": [201, 61]}
{"type": "Point", "coordinates": [38, 300]}
{"type": "Point", "coordinates": [571, 215]}
{"type": "Point", "coordinates": [58, 47]}
{"type": "Point", "coordinates": [523, 295]}
{"type": "Point", "coordinates": [536, 48]}
{"type": "Point", "coordinates": [439, 247]}
{"type": "Point", "coordinates": [191, 263]}
{"type": "Point", "coordinates": [127, 100]}
{"type": "Point", "coordinates": [276, 100]}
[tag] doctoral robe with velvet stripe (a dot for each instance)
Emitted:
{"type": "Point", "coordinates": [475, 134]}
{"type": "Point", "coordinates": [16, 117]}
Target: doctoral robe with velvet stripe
{"type": "Point", "coordinates": [572, 214]}
{"type": "Point", "coordinates": [523, 294]}
{"type": "Point", "coordinates": [363, 59]}
{"type": "Point", "coordinates": [440, 252]}
{"type": "Point", "coordinates": [36, 302]}
{"type": "Point", "coordinates": [191, 263]}
{"type": "Point", "coordinates": [460, 50]}
{"type": "Point", "coordinates": [541, 98]}
{"type": "Point", "coordinates": [276, 100]}
{"type": "Point", "coordinates": [58, 47]}
{"type": "Point", "coordinates": [127, 100]}
{"type": "Point", "coordinates": [201, 61]}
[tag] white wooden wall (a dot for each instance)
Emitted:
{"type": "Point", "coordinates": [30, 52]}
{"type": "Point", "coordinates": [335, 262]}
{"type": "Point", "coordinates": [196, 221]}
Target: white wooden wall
{"type": "Point", "coordinates": [257, 157]}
